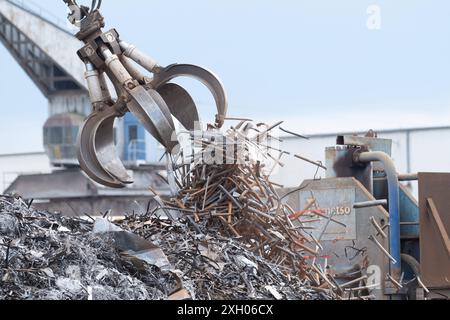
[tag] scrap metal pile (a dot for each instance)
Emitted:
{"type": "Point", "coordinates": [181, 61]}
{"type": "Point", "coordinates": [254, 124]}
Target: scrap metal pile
{"type": "Point", "coordinates": [47, 256]}
{"type": "Point", "coordinates": [50, 257]}
{"type": "Point", "coordinates": [227, 183]}
{"type": "Point", "coordinates": [218, 267]}
{"type": "Point", "coordinates": [223, 189]}
{"type": "Point", "coordinates": [226, 233]}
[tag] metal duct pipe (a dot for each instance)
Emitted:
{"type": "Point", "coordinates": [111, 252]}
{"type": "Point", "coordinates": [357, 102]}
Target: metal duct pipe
{"type": "Point", "coordinates": [408, 177]}
{"type": "Point", "coordinates": [370, 204]}
{"type": "Point", "coordinates": [394, 204]}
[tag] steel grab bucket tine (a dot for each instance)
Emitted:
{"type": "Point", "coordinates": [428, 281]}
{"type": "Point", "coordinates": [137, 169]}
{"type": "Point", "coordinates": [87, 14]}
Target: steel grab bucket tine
{"type": "Point", "coordinates": [180, 104]}
{"type": "Point", "coordinates": [105, 150]}
{"type": "Point", "coordinates": [87, 158]}
{"type": "Point", "coordinates": [151, 110]}
{"type": "Point", "coordinates": [208, 78]}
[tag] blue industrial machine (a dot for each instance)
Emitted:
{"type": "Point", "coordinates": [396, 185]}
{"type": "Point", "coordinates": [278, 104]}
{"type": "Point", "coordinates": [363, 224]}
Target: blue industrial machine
{"type": "Point", "coordinates": [377, 240]}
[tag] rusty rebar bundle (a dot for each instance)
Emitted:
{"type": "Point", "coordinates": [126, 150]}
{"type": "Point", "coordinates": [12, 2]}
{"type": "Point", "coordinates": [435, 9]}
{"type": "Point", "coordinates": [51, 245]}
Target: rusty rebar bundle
{"type": "Point", "coordinates": [236, 198]}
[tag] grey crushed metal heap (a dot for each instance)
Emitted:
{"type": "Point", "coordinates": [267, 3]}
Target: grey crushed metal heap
{"type": "Point", "coordinates": [219, 267]}
{"type": "Point", "coordinates": [50, 257]}
{"type": "Point", "coordinates": [47, 256]}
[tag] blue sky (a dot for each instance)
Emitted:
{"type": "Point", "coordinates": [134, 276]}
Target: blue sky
{"type": "Point", "coordinates": [312, 63]}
